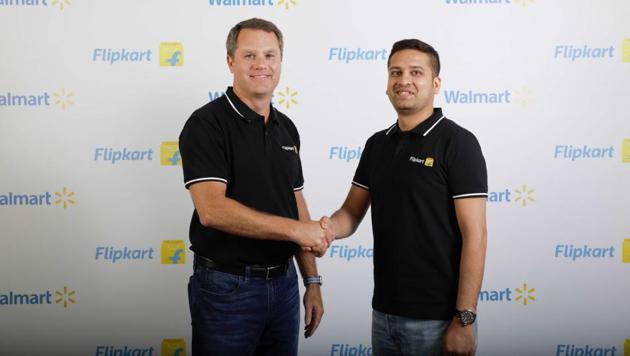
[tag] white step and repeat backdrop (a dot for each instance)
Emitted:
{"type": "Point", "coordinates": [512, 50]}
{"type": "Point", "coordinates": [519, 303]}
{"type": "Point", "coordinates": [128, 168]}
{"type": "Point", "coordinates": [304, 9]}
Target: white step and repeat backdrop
{"type": "Point", "coordinates": [94, 216]}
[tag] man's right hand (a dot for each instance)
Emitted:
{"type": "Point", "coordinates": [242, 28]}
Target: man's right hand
{"type": "Point", "coordinates": [312, 237]}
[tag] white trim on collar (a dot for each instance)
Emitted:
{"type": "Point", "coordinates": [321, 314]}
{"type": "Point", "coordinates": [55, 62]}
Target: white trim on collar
{"type": "Point", "coordinates": [390, 128]}
{"type": "Point", "coordinates": [232, 105]}
{"type": "Point", "coordinates": [431, 128]}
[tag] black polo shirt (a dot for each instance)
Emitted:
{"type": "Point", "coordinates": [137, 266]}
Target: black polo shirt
{"type": "Point", "coordinates": [413, 178]}
{"type": "Point", "coordinates": [226, 141]}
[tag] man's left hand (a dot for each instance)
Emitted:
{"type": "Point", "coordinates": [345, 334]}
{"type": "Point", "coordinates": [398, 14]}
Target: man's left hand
{"type": "Point", "coordinates": [314, 309]}
{"type": "Point", "coordinates": [459, 340]}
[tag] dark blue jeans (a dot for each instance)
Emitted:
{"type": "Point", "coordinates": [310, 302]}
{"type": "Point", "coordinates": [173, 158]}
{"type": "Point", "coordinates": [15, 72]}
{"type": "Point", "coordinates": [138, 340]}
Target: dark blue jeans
{"type": "Point", "coordinates": [242, 315]}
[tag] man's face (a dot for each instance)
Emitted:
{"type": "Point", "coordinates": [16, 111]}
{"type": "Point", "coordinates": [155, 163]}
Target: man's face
{"type": "Point", "coordinates": [256, 63]}
{"type": "Point", "coordinates": [411, 85]}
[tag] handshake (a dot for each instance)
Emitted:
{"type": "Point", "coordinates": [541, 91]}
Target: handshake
{"type": "Point", "coordinates": [315, 236]}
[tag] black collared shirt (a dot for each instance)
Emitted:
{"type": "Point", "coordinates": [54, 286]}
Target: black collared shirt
{"type": "Point", "coordinates": [228, 142]}
{"type": "Point", "coordinates": [413, 178]}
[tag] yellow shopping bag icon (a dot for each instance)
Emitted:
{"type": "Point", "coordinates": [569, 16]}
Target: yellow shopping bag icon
{"type": "Point", "coordinates": [626, 251]}
{"type": "Point", "coordinates": [169, 154]}
{"type": "Point", "coordinates": [173, 347]}
{"type": "Point", "coordinates": [173, 252]}
{"type": "Point", "coordinates": [171, 54]}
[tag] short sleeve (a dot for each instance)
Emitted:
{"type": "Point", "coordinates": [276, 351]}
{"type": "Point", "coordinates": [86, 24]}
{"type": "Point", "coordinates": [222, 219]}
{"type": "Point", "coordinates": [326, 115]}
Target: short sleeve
{"type": "Point", "coordinates": [203, 150]}
{"type": "Point", "coordinates": [362, 174]}
{"type": "Point", "coordinates": [466, 167]}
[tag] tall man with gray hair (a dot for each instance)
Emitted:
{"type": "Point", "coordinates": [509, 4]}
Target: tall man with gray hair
{"type": "Point", "coordinates": [242, 166]}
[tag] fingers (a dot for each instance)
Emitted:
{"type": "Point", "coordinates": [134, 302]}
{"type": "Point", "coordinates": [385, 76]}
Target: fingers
{"type": "Point", "coordinates": [324, 222]}
{"type": "Point", "coordinates": [316, 317]}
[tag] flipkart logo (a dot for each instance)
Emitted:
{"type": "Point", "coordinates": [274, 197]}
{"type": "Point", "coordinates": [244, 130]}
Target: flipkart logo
{"type": "Point", "coordinates": [287, 97]}
{"type": "Point", "coordinates": [625, 51]}
{"type": "Point", "coordinates": [625, 151]}
{"type": "Point", "coordinates": [171, 54]}
{"type": "Point", "coordinates": [65, 297]}
{"type": "Point", "coordinates": [173, 252]}
{"type": "Point", "coordinates": [626, 347]}
{"type": "Point", "coordinates": [428, 162]}
{"type": "Point", "coordinates": [173, 347]}
{"type": "Point", "coordinates": [625, 251]}
{"type": "Point", "coordinates": [169, 154]}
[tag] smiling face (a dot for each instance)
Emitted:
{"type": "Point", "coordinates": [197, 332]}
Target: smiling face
{"type": "Point", "coordinates": [256, 63]}
{"type": "Point", "coordinates": [411, 86]}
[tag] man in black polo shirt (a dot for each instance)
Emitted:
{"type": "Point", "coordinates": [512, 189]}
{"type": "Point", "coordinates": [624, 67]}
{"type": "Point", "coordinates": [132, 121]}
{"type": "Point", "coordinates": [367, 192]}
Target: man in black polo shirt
{"type": "Point", "coordinates": [242, 166]}
{"type": "Point", "coordinates": [425, 178]}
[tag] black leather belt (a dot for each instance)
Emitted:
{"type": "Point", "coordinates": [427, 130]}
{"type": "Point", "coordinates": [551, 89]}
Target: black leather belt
{"type": "Point", "coordinates": [259, 271]}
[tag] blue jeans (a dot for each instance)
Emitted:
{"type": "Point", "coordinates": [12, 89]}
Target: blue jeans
{"type": "Point", "coordinates": [398, 335]}
{"type": "Point", "coordinates": [242, 315]}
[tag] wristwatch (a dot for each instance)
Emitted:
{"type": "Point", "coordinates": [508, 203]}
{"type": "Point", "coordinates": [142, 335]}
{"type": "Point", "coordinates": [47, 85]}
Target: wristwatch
{"type": "Point", "coordinates": [466, 316]}
{"type": "Point", "coordinates": [313, 280]}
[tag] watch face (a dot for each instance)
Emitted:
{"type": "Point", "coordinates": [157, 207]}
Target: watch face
{"type": "Point", "coordinates": [467, 317]}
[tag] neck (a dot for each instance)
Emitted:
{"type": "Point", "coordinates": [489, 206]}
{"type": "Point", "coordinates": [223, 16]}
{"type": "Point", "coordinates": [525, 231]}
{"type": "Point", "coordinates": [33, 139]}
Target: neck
{"type": "Point", "coordinates": [258, 103]}
{"type": "Point", "coordinates": [408, 121]}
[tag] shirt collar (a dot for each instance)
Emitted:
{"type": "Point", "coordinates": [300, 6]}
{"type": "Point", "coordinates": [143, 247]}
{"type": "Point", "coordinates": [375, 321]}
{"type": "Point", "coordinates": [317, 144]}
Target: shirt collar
{"type": "Point", "coordinates": [423, 128]}
{"type": "Point", "coordinates": [244, 111]}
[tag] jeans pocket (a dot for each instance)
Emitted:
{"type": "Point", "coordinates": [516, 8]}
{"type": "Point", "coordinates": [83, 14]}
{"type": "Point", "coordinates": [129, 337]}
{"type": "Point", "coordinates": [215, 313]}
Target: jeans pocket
{"type": "Point", "coordinates": [220, 283]}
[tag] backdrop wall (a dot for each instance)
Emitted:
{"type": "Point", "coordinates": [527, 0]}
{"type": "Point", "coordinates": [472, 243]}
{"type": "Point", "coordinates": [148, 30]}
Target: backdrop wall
{"type": "Point", "coordinates": [93, 95]}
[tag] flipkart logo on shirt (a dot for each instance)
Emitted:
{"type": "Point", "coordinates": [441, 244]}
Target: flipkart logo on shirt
{"type": "Point", "coordinates": [169, 154]}
{"type": "Point", "coordinates": [171, 54]}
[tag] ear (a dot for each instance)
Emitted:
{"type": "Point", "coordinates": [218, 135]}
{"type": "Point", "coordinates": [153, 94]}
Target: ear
{"type": "Point", "coordinates": [230, 62]}
{"type": "Point", "coordinates": [437, 84]}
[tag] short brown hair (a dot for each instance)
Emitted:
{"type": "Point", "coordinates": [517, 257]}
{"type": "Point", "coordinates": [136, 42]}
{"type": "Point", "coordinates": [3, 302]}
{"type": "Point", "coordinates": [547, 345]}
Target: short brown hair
{"type": "Point", "coordinates": [254, 24]}
{"type": "Point", "coordinates": [418, 46]}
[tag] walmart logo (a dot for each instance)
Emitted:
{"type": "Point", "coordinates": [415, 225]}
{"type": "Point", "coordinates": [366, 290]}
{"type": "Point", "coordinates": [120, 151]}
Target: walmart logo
{"type": "Point", "coordinates": [60, 4]}
{"type": "Point", "coordinates": [171, 54]}
{"type": "Point", "coordinates": [173, 252]}
{"type": "Point", "coordinates": [169, 154]}
{"type": "Point", "coordinates": [477, 97]}
{"type": "Point", "coordinates": [63, 198]}
{"type": "Point", "coordinates": [522, 295]}
{"type": "Point", "coordinates": [64, 297]}
{"type": "Point", "coordinates": [287, 97]}
{"type": "Point", "coordinates": [521, 3]}
{"type": "Point", "coordinates": [523, 196]}
{"type": "Point", "coordinates": [62, 98]}
{"type": "Point", "coordinates": [284, 4]}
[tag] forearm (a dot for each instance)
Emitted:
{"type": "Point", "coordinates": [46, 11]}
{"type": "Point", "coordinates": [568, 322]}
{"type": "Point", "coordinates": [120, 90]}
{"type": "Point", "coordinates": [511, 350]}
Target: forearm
{"type": "Point", "coordinates": [344, 223]}
{"type": "Point", "coordinates": [229, 215]}
{"type": "Point", "coordinates": [471, 270]}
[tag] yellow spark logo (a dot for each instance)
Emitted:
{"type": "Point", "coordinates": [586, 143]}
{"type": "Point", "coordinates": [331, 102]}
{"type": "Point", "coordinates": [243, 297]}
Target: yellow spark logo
{"type": "Point", "coordinates": [65, 297]}
{"type": "Point", "coordinates": [287, 3]}
{"type": "Point", "coordinates": [524, 195]}
{"type": "Point", "coordinates": [287, 98]}
{"type": "Point", "coordinates": [65, 197]}
{"type": "Point", "coordinates": [524, 3]}
{"type": "Point", "coordinates": [61, 3]}
{"type": "Point", "coordinates": [525, 294]}
{"type": "Point", "coordinates": [523, 96]}
{"type": "Point", "coordinates": [63, 98]}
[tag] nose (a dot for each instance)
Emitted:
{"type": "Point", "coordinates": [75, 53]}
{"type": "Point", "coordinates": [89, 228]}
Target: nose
{"type": "Point", "coordinates": [260, 62]}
